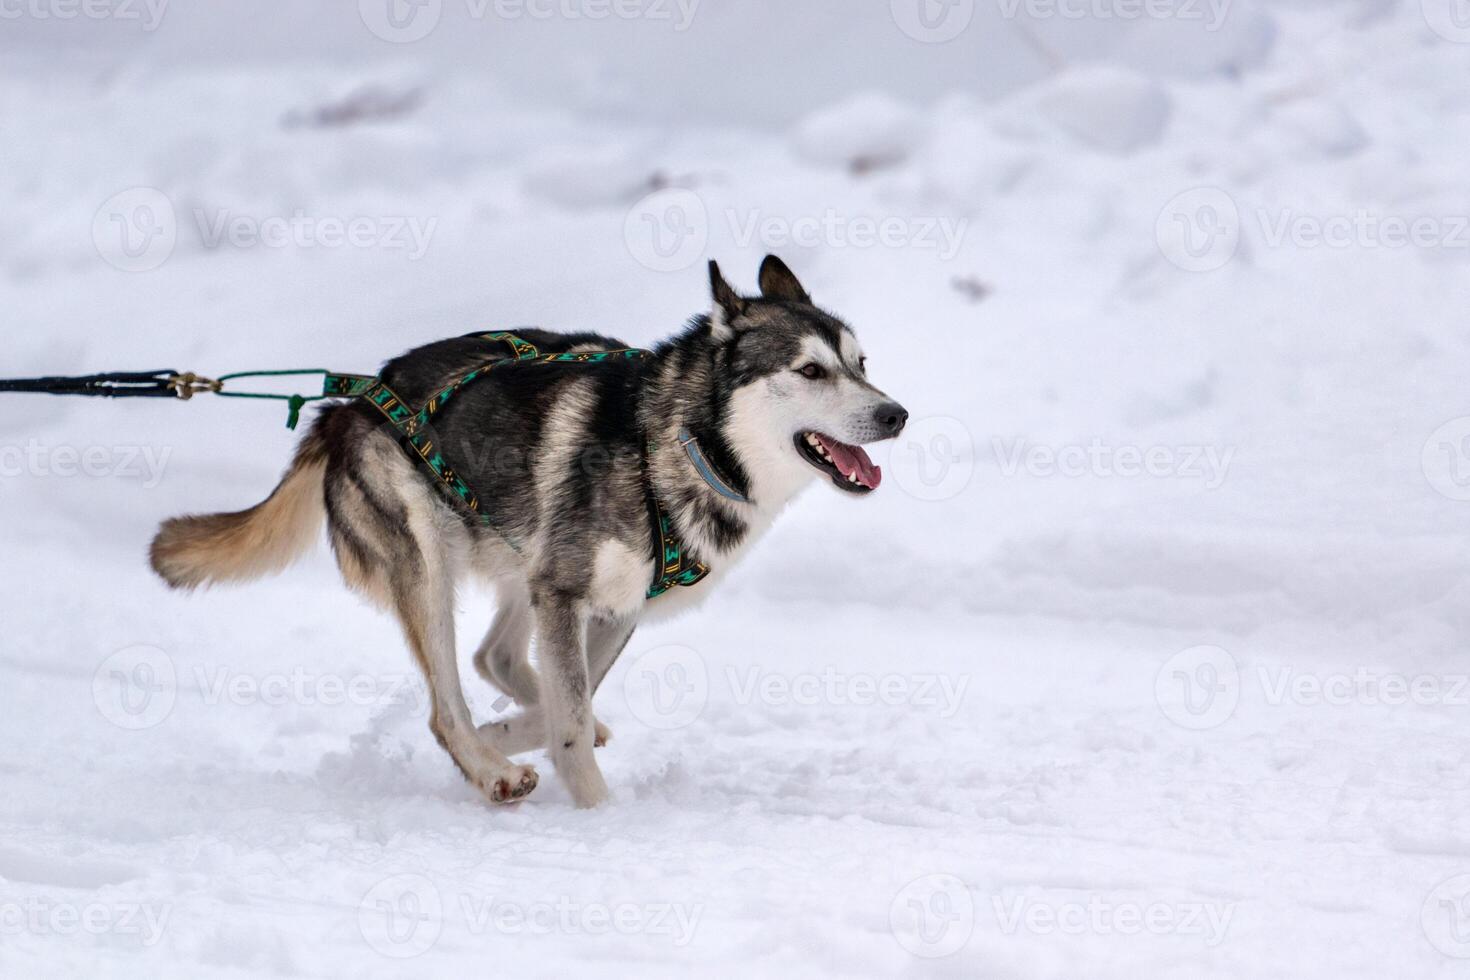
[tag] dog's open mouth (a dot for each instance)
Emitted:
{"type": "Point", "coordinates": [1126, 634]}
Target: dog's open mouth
{"type": "Point", "coordinates": [848, 466]}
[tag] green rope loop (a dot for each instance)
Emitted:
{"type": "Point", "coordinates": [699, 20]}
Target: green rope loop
{"type": "Point", "coordinates": [294, 403]}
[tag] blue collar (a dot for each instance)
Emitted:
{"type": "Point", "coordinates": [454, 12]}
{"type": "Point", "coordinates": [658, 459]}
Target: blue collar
{"type": "Point", "coordinates": [706, 471]}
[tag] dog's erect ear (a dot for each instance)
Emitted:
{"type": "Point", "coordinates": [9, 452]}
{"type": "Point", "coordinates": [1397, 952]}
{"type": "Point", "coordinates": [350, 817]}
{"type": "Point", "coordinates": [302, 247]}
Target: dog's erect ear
{"type": "Point", "coordinates": [728, 304]}
{"type": "Point", "coordinates": [779, 282]}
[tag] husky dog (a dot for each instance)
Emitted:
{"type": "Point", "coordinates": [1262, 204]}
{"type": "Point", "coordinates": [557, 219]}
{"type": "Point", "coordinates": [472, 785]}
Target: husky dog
{"type": "Point", "coordinates": [577, 472]}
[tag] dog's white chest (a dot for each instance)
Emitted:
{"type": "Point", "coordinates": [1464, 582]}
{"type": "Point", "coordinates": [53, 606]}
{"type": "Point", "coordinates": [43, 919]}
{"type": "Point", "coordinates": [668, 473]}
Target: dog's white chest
{"type": "Point", "coordinates": [620, 577]}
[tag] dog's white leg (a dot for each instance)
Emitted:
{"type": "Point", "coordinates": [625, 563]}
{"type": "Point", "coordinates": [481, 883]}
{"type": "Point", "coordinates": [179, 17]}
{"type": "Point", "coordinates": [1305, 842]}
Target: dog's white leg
{"type": "Point", "coordinates": [526, 731]}
{"type": "Point", "coordinates": [503, 658]}
{"type": "Point", "coordinates": [606, 639]}
{"type": "Point", "coordinates": [566, 695]}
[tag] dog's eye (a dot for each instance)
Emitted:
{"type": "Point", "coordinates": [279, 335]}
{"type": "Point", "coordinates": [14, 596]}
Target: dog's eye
{"type": "Point", "coordinates": [812, 371]}
{"type": "Point", "coordinates": [863, 364]}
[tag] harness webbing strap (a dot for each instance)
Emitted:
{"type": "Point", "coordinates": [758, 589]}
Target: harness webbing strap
{"type": "Point", "coordinates": [673, 566]}
{"type": "Point", "coordinates": [346, 385]}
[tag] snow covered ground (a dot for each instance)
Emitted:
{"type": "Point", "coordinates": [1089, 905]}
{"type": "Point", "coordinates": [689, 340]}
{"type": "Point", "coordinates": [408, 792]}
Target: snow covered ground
{"type": "Point", "coordinates": [1148, 659]}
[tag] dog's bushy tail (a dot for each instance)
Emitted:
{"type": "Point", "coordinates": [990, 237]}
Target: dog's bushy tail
{"type": "Point", "coordinates": [209, 548]}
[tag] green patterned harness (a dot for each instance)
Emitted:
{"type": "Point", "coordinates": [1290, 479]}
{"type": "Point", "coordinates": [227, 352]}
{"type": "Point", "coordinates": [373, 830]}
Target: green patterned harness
{"type": "Point", "coordinates": [674, 566]}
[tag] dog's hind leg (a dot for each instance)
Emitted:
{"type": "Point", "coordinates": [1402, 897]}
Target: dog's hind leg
{"type": "Point", "coordinates": [526, 731]}
{"type": "Point", "coordinates": [606, 639]}
{"type": "Point", "coordinates": [503, 658]}
{"type": "Point", "coordinates": [391, 541]}
{"type": "Point", "coordinates": [425, 606]}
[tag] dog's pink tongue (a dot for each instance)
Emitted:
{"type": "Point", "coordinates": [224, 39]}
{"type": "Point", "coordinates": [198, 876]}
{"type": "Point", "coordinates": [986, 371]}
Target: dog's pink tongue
{"type": "Point", "coordinates": [853, 459]}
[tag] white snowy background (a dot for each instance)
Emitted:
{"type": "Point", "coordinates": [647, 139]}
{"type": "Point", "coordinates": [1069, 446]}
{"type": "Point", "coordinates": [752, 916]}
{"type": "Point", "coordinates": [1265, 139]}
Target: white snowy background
{"type": "Point", "coordinates": [1147, 660]}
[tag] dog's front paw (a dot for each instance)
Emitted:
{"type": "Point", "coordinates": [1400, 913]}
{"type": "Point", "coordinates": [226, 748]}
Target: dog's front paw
{"type": "Point", "coordinates": [516, 784]}
{"type": "Point", "coordinates": [578, 770]}
{"type": "Point", "coordinates": [588, 790]}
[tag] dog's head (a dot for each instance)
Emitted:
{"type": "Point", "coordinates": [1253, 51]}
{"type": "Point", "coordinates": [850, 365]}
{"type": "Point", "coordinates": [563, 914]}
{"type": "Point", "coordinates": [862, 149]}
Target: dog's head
{"type": "Point", "coordinates": [801, 403]}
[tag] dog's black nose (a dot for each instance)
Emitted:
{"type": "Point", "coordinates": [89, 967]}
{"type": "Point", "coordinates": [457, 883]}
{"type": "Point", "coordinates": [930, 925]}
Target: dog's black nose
{"type": "Point", "coordinates": [891, 417]}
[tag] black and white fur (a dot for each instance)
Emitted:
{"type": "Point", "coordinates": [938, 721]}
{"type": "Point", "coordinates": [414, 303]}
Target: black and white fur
{"type": "Point", "coordinates": [562, 458]}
